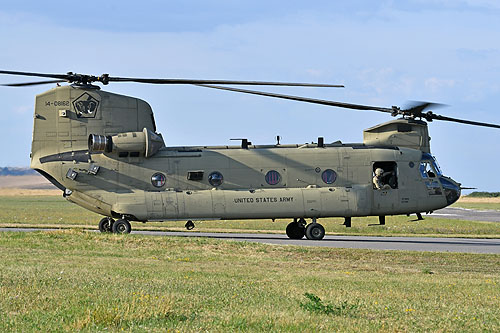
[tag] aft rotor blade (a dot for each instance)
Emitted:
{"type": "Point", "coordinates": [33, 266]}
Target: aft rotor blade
{"type": "Point", "coordinates": [105, 79]}
{"type": "Point", "coordinates": [304, 99]}
{"type": "Point", "coordinates": [197, 81]}
{"type": "Point", "coordinates": [24, 84]}
{"type": "Point", "coordinates": [54, 76]}
{"type": "Point", "coordinates": [432, 116]}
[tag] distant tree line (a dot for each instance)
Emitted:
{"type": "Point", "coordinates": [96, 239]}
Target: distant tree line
{"type": "Point", "coordinates": [484, 194]}
{"type": "Point", "coordinates": [10, 171]}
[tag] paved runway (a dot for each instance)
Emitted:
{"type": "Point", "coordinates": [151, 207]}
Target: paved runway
{"type": "Point", "coordinates": [467, 214]}
{"type": "Point", "coordinates": [467, 245]}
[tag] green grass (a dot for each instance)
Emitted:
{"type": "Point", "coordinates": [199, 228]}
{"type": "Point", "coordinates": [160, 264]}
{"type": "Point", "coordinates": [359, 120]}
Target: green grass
{"type": "Point", "coordinates": [75, 280]}
{"type": "Point", "coordinates": [57, 212]}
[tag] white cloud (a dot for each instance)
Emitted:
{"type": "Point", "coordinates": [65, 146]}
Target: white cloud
{"type": "Point", "coordinates": [488, 4]}
{"type": "Point", "coordinates": [24, 109]}
{"type": "Point", "coordinates": [436, 85]}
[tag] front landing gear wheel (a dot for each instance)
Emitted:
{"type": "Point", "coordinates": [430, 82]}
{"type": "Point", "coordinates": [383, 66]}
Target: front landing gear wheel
{"type": "Point", "coordinates": [315, 231]}
{"type": "Point", "coordinates": [121, 227]}
{"type": "Point", "coordinates": [295, 230]}
{"type": "Point", "coordinates": [106, 224]}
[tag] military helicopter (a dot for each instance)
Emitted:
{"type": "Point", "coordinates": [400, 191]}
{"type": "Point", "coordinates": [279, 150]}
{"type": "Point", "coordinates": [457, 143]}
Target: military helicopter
{"type": "Point", "coordinates": [102, 150]}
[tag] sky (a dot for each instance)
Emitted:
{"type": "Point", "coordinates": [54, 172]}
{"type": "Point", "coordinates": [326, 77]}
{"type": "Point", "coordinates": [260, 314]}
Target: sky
{"type": "Point", "coordinates": [384, 52]}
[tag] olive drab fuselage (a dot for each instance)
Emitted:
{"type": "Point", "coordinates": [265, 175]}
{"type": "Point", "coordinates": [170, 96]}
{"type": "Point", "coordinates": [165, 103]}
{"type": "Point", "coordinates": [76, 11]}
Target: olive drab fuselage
{"type": "Point", "coordinates": [103, 151]}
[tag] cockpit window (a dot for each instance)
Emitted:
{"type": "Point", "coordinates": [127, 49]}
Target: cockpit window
{"type": "Point", "coordinates": [430, 173]}
{"type": "Point", "coordinates": [426, 170]}
{"type": "Point", "coordinates": [430, 160]}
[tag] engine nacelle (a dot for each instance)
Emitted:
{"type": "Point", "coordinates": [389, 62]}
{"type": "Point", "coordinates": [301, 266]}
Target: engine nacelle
{"type": "Point", "coordinates": [145, 143]}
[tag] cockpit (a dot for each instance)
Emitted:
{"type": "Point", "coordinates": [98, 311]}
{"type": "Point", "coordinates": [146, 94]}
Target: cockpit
{"type": "Point", "coordinates": [435, 181]}
{"type": "Point", "coordinates": [429, 168]}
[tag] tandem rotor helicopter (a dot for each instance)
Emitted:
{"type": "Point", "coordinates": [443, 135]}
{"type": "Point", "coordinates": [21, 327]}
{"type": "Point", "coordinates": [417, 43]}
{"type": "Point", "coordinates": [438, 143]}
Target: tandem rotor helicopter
{"type": "Point", "coordinates": [102, 150]}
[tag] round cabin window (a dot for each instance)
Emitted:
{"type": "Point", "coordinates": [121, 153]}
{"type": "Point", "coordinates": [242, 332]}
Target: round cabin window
{"type": "Point", "coordinates": [215, 178]}
{"type": "Point", "coordinates": [329, 176]}
{"type": "Point", "coordinates": [273, 177]}
{"type": "Point", "coordinates": [158, 179]}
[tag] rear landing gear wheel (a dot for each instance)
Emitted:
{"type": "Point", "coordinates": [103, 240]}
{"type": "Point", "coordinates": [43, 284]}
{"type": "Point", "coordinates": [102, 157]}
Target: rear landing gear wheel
{"type": "Point", "coordinates": [189, 225]}
{"type": "Point", "coordinates": [315, 231]}
{"type": "Point", "coordinates": [106, 224]}
{"type": "Point", "coordinates": [295, 230]}
{"type": "Point", "coordinates": [121, 227]}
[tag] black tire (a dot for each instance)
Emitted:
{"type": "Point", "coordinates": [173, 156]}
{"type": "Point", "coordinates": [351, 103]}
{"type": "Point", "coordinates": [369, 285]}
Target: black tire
{"type": "Point", "coordinates": [106, 224]}
{"type": "Point", "coordinates": [295, 230]}
{"type": "Point", "coordinates": [315, 231]}
{"type": "Point", "coordinates": [189, 225]}
{"type": "Point", "coordinates": [121, 227]}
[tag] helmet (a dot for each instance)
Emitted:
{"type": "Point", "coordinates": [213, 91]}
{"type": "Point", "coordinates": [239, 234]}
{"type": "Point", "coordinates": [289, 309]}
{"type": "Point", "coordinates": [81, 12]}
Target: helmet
{"type": "Point", "coordinates": [379, 172]}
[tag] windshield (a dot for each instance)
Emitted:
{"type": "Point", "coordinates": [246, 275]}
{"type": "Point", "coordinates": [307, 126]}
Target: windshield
{"type": "Point", "coordinates": [426, 157]}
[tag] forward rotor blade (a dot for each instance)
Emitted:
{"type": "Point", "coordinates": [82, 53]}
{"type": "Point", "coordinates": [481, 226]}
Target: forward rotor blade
{"type": "Point", "coordinates": [24, 84]}
{"type": "Point", "coordinates": [415, 111]}
{"type": "Point", "coordinates": [304, 99]}
{"type": "Point", "coordinates": [430, 115]}
{"type": "Point", "coordinates": [196, 81]}
{"type": "Point", "coordinates": [417, 107]}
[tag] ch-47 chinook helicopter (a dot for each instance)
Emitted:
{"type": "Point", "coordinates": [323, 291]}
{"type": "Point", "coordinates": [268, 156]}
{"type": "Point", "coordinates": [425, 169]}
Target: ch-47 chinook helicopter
{"type": "Point", "coordinates": [102, 150]}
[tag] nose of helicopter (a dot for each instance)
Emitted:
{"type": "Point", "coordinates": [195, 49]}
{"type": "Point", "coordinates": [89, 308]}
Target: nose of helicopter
{"type": "Point", "coordinates": [451, 189]}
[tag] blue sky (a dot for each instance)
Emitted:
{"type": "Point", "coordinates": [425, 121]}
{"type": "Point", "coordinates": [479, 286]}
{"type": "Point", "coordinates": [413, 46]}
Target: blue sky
{"type": "Point", "coordinates": [385, 52]}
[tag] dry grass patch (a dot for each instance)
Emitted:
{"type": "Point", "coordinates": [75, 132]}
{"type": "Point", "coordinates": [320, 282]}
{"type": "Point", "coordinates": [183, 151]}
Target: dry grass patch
{"type": "Point", "coordinates": [466, 199]}
{"type": "Point", "coordinates": [16, 192]}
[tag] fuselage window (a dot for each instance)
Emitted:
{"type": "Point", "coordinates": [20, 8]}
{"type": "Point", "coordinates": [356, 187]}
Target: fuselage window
{"type": "Point", "coordinates": [273, 177]}
{"type": "Point", "coordinates": [385, 175]}
{"type": "Point", "coordinates": [215, 178]}
{"type": "Point", "coordinates": [158, 179]}
{"type": "Point", "coordinates": [329, 176]}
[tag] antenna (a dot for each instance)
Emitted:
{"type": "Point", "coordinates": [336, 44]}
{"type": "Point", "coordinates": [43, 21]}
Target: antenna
{"type": "Point", "coordinates": [244, 142]}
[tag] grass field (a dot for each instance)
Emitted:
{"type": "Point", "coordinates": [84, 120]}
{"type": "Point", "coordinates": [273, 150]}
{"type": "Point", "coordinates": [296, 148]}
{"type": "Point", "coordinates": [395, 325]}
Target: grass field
{"type": "Point", "coordinates": [75, 280]}
{"type": "Point", "coordinates": [54, 211]}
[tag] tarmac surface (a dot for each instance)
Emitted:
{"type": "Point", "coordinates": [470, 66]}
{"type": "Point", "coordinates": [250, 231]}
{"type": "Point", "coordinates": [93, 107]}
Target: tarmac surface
{"type": "Point", "coordinates": [466, 214]}
{"type": "Point", "coordinates": [423, 244]}
{"type": "Point", "coordinates": [431, 244]}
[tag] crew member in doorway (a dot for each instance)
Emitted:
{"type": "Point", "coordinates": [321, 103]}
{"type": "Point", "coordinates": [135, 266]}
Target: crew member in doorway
{"type": "Point", "coordinates": [377, 180]}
